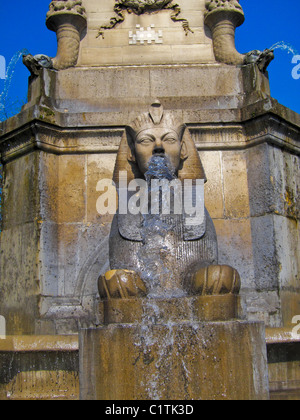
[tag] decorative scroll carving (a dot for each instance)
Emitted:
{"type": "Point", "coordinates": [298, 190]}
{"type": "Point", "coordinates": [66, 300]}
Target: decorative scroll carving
{"type": "Point", "coordinates": [140, 7]}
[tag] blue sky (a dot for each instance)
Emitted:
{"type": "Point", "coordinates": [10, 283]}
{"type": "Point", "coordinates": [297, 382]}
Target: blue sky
{"type": "Point", "coordinates": [267, 22]}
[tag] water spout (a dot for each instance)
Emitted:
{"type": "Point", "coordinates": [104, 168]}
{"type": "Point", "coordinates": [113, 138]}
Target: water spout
{"type": "Point", "coordinates": [281, 45]}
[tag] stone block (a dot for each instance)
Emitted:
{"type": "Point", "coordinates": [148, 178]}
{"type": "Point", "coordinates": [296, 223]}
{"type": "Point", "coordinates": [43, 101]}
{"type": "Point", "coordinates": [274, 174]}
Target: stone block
{"type": "Point", "coordinates": [194, 47]}
{"type": "Point", "coordinates": [285, 171]}
{"type": "Point", "coordinates": [49, 186]}
{"type": "Point", "coordinates": [19, 273]}
{"type": "Point", "coordinates": [284, 370]}
{"type": "Point", "coordinates": [236, 248]}
{"type": "Point", "coordinates": [201, 361]}
{"type": "Point", "coordinates": [63, 188]}
{"type": "Point", "coordinates": [266, 264]}
{"type": "Point", "coordinates": [99, 167]}
{"type": "Point", "coordinates": [192, 54]}
{"type": "Point", "coordinates": [205, 308]}
{"type": "Point", "coordinates": [71, 194]}
{"type": "Point", "coordinates": [272, 175]}
{"type": "Point", "coordinates": [20, 191]}
{"type": "Point", "coordinates": [235, 184]}
{"type": "Point", "coordinates": [183, 82]}
{"type": "Point", "coordinates": [259, 180]}
{"type": "Point", "coordinates": [39, 368]}
{"type": "Point", "coordinates": [290, 305]}
{"type": "Point", "coordinates": [287, 239]}
{"type": "Point", "coordinates": [150, 54]}
{"type": "Point", "coordinates": [129, 88]}
{"type": "Point", "coordinates": [214, 197]}
{"type": "Point", "coordinates": [263, 306]}
{"type": "Point", "coordinates": [72, 258]}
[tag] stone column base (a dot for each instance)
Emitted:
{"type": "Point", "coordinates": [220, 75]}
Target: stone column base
{"type": "Point", "coordinates": [160, 359]}
{"type": "Point", "coordinates": [163, 311]}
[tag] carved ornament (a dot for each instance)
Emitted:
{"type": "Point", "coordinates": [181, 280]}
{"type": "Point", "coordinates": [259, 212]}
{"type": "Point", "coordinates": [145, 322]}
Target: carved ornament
{"type": "Point", "coordinates": [66, 6]}
{"type": "Point", "coordinates": [140, 7]}
{"type": "Point", "coordinates": [223, 4]}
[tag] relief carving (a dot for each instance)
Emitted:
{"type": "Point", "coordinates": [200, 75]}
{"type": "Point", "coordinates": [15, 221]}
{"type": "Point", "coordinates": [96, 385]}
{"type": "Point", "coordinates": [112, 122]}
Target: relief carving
{"type": "Point", "coordinates": [67, 18]}
{"type": "Point", "coordinates": [140, 7]}
{"type": "Point", "coordinates": [225, 4]}
{"type": "Point", "coordinates": [69, 6]}
{"type": "Point", "coordinates": [155, 253]}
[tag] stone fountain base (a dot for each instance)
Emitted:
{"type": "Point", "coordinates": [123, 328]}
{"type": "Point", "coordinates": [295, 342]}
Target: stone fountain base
{"type": "Point", "coordinates": [171, 351]}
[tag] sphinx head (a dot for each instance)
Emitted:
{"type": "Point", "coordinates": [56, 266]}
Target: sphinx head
{"type": "Point", "coordinates": [160, 133]}
{"type": "Point", "coordinates": [156, 133]}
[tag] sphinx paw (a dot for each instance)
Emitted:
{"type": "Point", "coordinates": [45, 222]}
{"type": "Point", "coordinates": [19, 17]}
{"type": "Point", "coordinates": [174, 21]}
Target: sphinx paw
{"type": "Point", "coordinates": [121, 284]}
{"type": "Point", "coordinates": [215, 280]}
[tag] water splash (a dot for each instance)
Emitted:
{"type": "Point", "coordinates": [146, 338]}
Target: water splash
{"type": "Point", "coordinates": [162, 350]}
{"type": "Point", "coordinates": [281, 45]}
{"type": "Point", "coordinates": [5, 106]}
{"type": "Point", "coordinates": [160, 167]}
{"type": "Point", "coordinates": [156, 257]}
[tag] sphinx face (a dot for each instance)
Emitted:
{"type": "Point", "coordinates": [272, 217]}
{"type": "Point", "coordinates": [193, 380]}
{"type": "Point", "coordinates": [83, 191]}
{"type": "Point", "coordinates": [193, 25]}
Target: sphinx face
{"type": "Point", "coordinates": [159, 141]}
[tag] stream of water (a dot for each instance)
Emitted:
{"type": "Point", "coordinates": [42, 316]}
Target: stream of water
{"type": "Point", "coordinates": [281, 45]}
{"type": "Point", "coordinates": [5, 106]}
{"type": "Point", "coordinates": [158, 249]}
{"type": "Point", "coordinates": [158, 275]}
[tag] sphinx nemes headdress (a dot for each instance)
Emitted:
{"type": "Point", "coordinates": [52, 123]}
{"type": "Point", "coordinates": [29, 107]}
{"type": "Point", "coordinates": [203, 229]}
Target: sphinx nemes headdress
{"type": "Point", "coordinates": [156, 117]}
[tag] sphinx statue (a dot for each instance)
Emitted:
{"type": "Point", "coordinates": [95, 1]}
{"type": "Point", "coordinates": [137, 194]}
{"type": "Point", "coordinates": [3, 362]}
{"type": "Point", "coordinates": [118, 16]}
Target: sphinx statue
{"type": "Point", "coordinates": [162, 255]}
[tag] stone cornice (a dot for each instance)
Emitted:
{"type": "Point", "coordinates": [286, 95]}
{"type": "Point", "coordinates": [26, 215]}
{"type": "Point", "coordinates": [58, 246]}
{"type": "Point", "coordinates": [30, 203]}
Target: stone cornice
{"type": "Point", "coordinates": [51, 138]}
{"type": "Point", "coordinates": [264, 129]}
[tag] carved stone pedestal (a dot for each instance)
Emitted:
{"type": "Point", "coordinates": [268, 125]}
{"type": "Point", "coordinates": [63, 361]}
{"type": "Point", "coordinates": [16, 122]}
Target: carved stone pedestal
{"type": "Point", "coordinates": [170, 353]}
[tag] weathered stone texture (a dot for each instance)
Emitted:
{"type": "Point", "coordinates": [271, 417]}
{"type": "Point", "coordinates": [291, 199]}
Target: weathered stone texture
{"type": "Point", "coordinates": [21, 198]}
{"type": "Point", "coordinates": [248, 143]}
{"type": "Point", "coordinates": [73, 236]}
{"type": "Point", "coordinates": [54, 244]}
{"type": "Point", "coordinates": [53, 235]}
{"type": "Point", "coordinates": [20, 245]}
{"type": "Point", "coordinates": [251, 194]}
{"type": "Point", "coordinates": [129, 89]}
{"type": "Point", "coordinates": [274, 209]}
{"type": "Point", "coordinates": [177, 47]}
{"type": "Point", "coordinates": [174, 362]}
{"type": "Point", "coordinates": [20, 280]}
{"type": "Point", "coordinates": [39, 368]}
